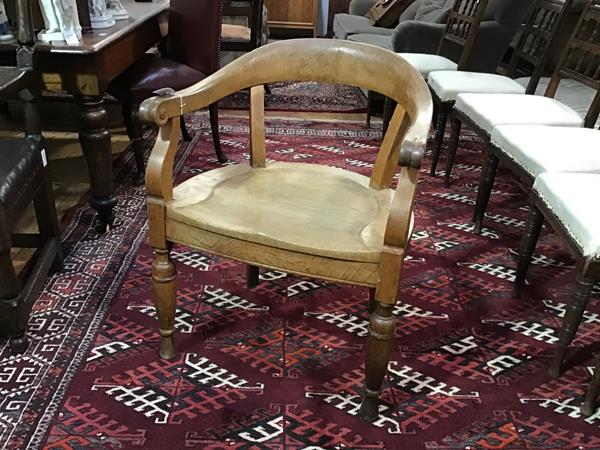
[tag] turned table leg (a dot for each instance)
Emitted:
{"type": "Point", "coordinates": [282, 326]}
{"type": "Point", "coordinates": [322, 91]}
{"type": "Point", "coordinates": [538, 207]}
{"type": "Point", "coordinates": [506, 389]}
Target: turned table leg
{"type": "Point", "coordinates": [95, 142]}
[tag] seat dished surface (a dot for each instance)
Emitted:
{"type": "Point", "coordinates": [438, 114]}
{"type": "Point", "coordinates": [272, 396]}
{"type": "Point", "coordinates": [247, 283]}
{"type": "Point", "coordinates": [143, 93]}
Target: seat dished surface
{"type": "Point", "coordinates": [316, 210]}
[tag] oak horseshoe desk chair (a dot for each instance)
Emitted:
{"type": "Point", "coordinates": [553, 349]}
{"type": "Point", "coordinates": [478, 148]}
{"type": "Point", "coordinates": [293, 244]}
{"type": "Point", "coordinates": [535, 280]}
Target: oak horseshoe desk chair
{"type": "Point", "coordinates": [332, 224]}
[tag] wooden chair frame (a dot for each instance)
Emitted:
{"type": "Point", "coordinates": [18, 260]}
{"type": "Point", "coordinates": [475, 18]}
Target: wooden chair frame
{"type": "Point", "coordinates": [537, 38]}
{"type": "Point", "coordinates": [493, 154]}
{"type": "Point", "coordinates": [322, 60]}
{"type": "Point", "coordinates": [461, 29]}
{"type": "Point", "coordinates": [588, 273]}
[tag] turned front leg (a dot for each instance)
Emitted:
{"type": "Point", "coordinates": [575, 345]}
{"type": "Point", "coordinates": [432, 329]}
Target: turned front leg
{"type": "Point", "coordinates": [377, 358]}
{"type": "Point", "coordinates": [165, 299]}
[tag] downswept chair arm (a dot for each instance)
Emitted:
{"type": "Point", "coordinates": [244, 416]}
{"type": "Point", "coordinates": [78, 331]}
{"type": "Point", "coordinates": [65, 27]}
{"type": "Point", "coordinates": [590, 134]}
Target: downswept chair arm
{"type": "Point", "coordinates": [320, 60]}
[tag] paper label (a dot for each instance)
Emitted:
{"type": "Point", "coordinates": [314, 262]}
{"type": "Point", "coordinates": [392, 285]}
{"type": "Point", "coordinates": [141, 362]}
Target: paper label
{"type": "Point", "coordinates": [70, 36]}
{"type": "Point", "coordinates": [44, 157]}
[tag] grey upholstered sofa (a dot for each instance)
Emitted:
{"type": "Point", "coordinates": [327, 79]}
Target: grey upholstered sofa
{"type": "Point", "coordinates": [420, 29]}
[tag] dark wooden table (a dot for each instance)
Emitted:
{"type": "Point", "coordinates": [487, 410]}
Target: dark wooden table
{"type": "Point", "coordinates": [85, 71]}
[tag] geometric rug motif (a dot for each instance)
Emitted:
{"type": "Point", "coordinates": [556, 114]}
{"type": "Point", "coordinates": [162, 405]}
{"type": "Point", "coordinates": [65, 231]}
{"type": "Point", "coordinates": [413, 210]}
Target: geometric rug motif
{"type": "Point", "coordinates": [281, 366]}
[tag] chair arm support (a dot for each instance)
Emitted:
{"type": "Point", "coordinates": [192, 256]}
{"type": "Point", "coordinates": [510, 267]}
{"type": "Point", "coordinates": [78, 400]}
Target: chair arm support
{"type": "Point", "coordinates": [159, 172]}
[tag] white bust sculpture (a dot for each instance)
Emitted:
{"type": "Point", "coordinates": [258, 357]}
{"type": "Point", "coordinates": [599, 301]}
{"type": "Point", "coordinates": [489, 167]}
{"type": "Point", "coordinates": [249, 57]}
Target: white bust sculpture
{"type": "Point", "coordinates": [117, 9]}
{"type": "Point", "coordinates": [60, 18]}
{"type": "Point", "coordinates": [100, 16]}
{"type": "Point", "coordinates": [5, 33]}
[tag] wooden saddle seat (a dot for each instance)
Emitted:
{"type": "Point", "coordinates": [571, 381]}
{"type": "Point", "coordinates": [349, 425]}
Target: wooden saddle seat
{"type": "Point", "coordinates": [316, 210]}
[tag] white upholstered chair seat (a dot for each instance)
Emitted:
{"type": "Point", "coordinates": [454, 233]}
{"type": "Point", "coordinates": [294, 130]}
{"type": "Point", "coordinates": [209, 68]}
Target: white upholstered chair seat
{"type": "Point", "coordinates": [572, 197]}
{"type": "Point", "coordinates": [539, 148]}
{"type": "Point", "coordinates": [491, 110]}
{"type": "Point", "coordinates": [426, 63]}
{"type": "Point", "coordinates": [570, 92]}
{"type": "Point", "coordinates": [448, 84]}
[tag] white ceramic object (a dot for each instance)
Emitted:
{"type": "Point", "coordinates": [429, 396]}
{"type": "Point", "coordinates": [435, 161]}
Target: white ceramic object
{"type": "Point", "coordinates": [117, 9]}
{"type": "Point", "coordinates": [60, 19]}
{"type": "Point", "coordinates": [100, 16]}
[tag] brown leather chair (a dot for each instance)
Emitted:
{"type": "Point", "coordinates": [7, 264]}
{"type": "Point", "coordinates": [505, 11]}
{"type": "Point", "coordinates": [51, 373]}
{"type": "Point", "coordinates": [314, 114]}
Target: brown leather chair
{"type": "Point", "coordinates": [193, 51]}
{"type": "Point", "coordinates": [24, 180]}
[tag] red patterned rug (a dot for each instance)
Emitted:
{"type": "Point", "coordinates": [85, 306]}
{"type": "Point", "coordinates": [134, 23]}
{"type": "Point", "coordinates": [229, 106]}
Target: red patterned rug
{"type": "Point", "coordinates": [304, 96]}
{"type": "Point", "coordinates": [280, 366]}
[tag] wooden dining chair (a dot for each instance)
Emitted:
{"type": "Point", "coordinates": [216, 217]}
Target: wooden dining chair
{"type": "Point", "coordinates": [242, 38]}
{"type": "Point", "coordinates": [484, 112]}
{"type": "Point", "coordinates": [310, 220]}
{"type": "Point", "coordinates": [512, 144]}
{"type": "Point", "coordinates": [460, 32]}
{"type": "Point", "coordinates": [193, 52]}
{"type": "Point", "coordinates": [535, 47]}
{"type": "Point", "coordinates": [566, 200]}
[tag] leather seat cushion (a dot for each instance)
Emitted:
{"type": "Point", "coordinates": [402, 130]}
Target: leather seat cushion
{"type": "Point", "coordinates": [20, 162]}
{"type": "Point", "coordinates": [572, 199]}
{"type": "Point", "coordinates": [150, 74]}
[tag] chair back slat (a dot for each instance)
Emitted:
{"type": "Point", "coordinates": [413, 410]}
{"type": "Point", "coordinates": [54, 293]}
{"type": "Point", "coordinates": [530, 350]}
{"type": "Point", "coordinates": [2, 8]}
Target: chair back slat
{"type": "Point", "coordinates": [581, 59]}
{"type": "Point", "coordinates": [538, 38]}
{"type": "Point", "coordinates": [462, 27]}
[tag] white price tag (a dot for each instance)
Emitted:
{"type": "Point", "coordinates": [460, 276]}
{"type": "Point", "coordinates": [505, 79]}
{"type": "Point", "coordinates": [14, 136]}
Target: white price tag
{"type": "Point", "coordinates": [44, 157]}
{"type": "Point", "coordinates": [70, 36]}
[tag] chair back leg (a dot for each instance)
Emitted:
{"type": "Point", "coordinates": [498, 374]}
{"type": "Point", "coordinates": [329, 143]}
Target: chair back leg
{"type": "Point", "coordinates": [214, 125]}
{"type": "Point", "coordinates": [452, 146]}
{"type": "Point", "coordinates": [136, 135]}
{"type": "Point", "coordinates": [527, 247]}
{"type": "Point", "coordinates": [9, 285]}
{"type": "Point", "coordinates": [45, 211]}
{"type": "Point", "coordinates": [575, 309]}
{"type": "Point", "coordinates": [185, 135]}
{"type": "Point", "coordinates": [589, 404]}
{"type": "Point", "coordinates": [252, 276]}
{"type": "Point", "coordinates": [440, 130]}
{"type": "Point", "coordinates": [486, 183]}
